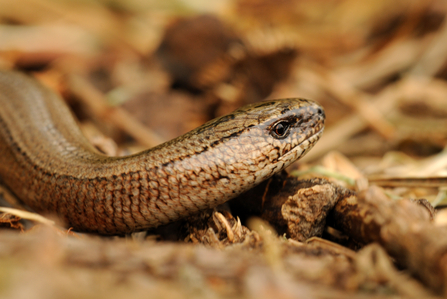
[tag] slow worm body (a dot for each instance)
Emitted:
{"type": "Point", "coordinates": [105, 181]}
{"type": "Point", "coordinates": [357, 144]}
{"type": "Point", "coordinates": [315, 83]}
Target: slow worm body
{"type": "Point", "coordinates": [51, 167]}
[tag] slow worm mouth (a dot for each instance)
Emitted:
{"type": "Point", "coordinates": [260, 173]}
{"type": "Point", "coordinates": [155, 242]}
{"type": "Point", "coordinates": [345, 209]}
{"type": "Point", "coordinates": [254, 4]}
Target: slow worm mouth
{"type": "Point", "coordinates": [311, 140]}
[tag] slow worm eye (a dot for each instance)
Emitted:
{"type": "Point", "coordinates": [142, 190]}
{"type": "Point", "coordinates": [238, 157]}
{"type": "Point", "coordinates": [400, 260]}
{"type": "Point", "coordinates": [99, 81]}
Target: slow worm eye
{"type": "Point", "coordinates": [280, 130]}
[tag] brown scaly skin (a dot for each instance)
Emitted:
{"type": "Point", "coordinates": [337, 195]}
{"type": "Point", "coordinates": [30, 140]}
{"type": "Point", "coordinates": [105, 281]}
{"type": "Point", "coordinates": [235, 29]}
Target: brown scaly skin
{"type": "Point", "coordinates": [49, 165]}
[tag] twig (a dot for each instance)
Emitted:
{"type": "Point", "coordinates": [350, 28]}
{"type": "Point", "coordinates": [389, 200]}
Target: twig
{"type": "Point", "coordinates": [98, 105]}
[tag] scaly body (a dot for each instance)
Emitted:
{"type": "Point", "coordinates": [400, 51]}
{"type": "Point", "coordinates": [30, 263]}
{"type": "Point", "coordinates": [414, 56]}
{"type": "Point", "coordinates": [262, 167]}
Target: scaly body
{"type": "Point", "coordinates": [49, 165]}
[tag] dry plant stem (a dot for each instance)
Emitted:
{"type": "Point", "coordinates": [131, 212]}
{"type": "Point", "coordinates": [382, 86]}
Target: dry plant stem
{"type": "Point", "coordinates": [337, 83]}
{"type": "Point", "coordinates": [427, 182]}
{"type": "Point", "coordinates": [105, 25]}
{"type": "Point", "coordinates": [434, 56]}
{"type": "Point", "coordinates": [396, 57]}
{"type": "Point", "coordinates": [357, 100]}
{"type": "Point", "coordinates": [97, 104]}
{"type": "Point", "coordinates": [351, 125]}
{"type": "Point", "coordinates": [402, 227]}
{"type": "Point", "coordinates": [334, 247]}
{"type": "Point", "coordinates": [27, 215]}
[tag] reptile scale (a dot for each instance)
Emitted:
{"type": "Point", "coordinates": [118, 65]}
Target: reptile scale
{"type": "Point", "coordinates": [52, 168]}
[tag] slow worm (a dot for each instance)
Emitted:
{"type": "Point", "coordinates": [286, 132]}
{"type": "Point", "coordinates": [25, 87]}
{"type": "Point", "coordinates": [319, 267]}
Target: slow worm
{"type": "Point", "coordinates": [51, 167]}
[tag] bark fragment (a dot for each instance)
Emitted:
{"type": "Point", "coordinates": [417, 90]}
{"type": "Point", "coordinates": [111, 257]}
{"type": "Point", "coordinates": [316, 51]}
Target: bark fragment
{"type": "Point", "coordinates": [404, 228]}
{"type": "Point", "coordinates": [295, 207]}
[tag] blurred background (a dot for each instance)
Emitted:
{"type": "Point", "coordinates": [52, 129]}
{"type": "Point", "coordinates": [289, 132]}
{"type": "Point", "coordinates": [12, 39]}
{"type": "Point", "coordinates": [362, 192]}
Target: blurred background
{"type": "Point", "coordinates": [143, 71]}
{"type": "Point", "coordinates": [140, 72]}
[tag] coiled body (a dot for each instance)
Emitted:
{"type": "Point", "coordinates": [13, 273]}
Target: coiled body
{"type": "Point", "coordinates": [49, 165]}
